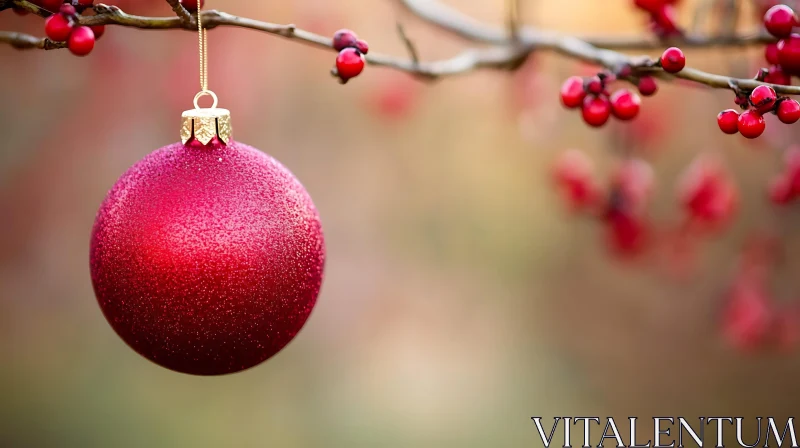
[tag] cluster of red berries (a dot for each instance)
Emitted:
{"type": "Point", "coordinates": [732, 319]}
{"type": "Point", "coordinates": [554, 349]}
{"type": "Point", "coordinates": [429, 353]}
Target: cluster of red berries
{"type": "Point", "coordinates": [784, 59]}
{"type": "Point", "coordinates": [751, 123]}
{"type": "Point", "coordinates": [595, 101]}
{"type": "Point", "coordinates": [597, 104]}
{"type": "Point", "coordinates": [662, 16]}
{"type": "Point", "coordinates": [350, 61]}
{"type": "Point", "coordinates": [706, 192]}
{"type": "Point", "coordinates": [783, 56]}
{"type": "Point", "coordinates": [63, 27]}
{"type": "Point", "coordinates": [751, 317]}
{"type": "Point", "coordinates": [620, 207]}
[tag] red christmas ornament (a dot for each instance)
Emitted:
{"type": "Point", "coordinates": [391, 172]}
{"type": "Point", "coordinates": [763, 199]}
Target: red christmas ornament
{"type": "Point", "coordinates": [207, 258]}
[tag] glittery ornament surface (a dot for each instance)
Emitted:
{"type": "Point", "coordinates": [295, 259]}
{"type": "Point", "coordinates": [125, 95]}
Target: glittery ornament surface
{"type": "Point", "coordinates": [207, 260]}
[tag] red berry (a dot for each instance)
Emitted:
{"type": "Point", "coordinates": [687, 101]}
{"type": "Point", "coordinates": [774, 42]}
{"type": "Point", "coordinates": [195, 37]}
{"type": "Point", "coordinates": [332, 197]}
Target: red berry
{"type": "Point", "coordinates": [349, 63]}
{"type": "Point", "coordinates": [58, 27]}
{"type": "Point", "coordinates": [627, 233]}
{"type": "Point", "coordinates": [707, 193]}
{"type": "Point", "coordinates": [81, 41]}
{"type": "Point", "coordinates": [742, 101]}
{"type": "Point", "coordinates": [652, 6]}
{"type": "Point", "coordinates": [747, 316]}
{"type": "Point", "coordinates": [572, 92]}
{"type": "Point", "coordinates": [596, 110]}
{"type": "Point", "coordinates": [573, 174]}
{"type": "Point", "coordinates": [362, 46]}
{"type": "Point", "coordinates": [728, 121]}
{"type": "Point", "coordinates": [625, 71]}
{"type": "Point", "coordinates": [775, 75]}
{"type": "Point", "coordinates": [395, 97]}
{"type": "Point", "coordinates": [572, 166]}
{"type": "Point", "coordinates": [665, 22]}
{"type": "Point", "coordinates": [781, 190]}
{"type": "Point", "coordinates": [789, 54]}
{"type": "Point", "coordinates": [751, 124]}
{"type": "Point", "coordinates": [85, 3]}
{"type": "Point", "coordinates": [771, 53]}
{"type": "Point", "coordinates": [67, 10]}
{"type": "Point", "coordinates": [343, 39]}
{"type": "Point", "coordinates": [763, 98]}
{"type": "Point", "coordinates": [594, 85]}
{"type": "Point", "coordinates": [192, 5]}
{"type": "Point", "coordinates": [789, 111]}
{"type": "Point", "coordinates": [673, 60]}
{"type": "Point", "coordinates": [625, 104]}
{"type": "Point", "coordinates": [98, 31]}
{"type": "Point", "coordinates": [647, 85]}
{"type": "Point", "coordinates": [779, 20]}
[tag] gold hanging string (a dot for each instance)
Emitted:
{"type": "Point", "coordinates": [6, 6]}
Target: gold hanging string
{"type": "Point", "coordinates": [203, 44]}
{"type": "Point", "coordinates": [202, 40]}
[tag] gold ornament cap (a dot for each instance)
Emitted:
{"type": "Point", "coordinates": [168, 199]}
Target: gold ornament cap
{"type": "Point", "coordinates": [206, 123]}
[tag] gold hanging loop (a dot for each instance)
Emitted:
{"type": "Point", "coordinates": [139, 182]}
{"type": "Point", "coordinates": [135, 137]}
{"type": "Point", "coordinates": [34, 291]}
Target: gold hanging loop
{"type": "Point", "coordinates": [205, 123]}
{"type": "Point", "coordinates": [206, 93]}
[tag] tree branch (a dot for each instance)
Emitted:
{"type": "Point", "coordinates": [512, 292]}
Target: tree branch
{"type": "Point", "coordinates": [26, 41]}
{"type": "Point", "coordinates": [597, 51]}
{"type": "Point", "coordinates": [506, 51]}
{"type": "Point", "coordinates": [180, 11]}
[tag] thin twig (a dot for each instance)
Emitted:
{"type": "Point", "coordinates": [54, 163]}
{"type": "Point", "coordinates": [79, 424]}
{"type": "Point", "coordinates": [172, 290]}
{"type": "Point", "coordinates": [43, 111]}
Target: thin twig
{"type": "Point", "coordinates": [730, 17]}
{"type": "Point", "coordinates": [180, 11]}
{"type": "Point", "coordinates": [412, 49]}
{"type": "Point", "coordinates": [514, 20]}
{"type": "Point", "coordinates": [700, 14]}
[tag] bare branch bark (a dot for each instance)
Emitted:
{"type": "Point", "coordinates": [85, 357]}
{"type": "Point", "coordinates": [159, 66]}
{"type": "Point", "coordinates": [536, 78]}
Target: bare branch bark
{"type": "Point", "coordinates": [24, 41]}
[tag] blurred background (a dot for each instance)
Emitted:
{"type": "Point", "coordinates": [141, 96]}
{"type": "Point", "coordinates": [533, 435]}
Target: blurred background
{"type": "Point", "coordinates": [460, 296]}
